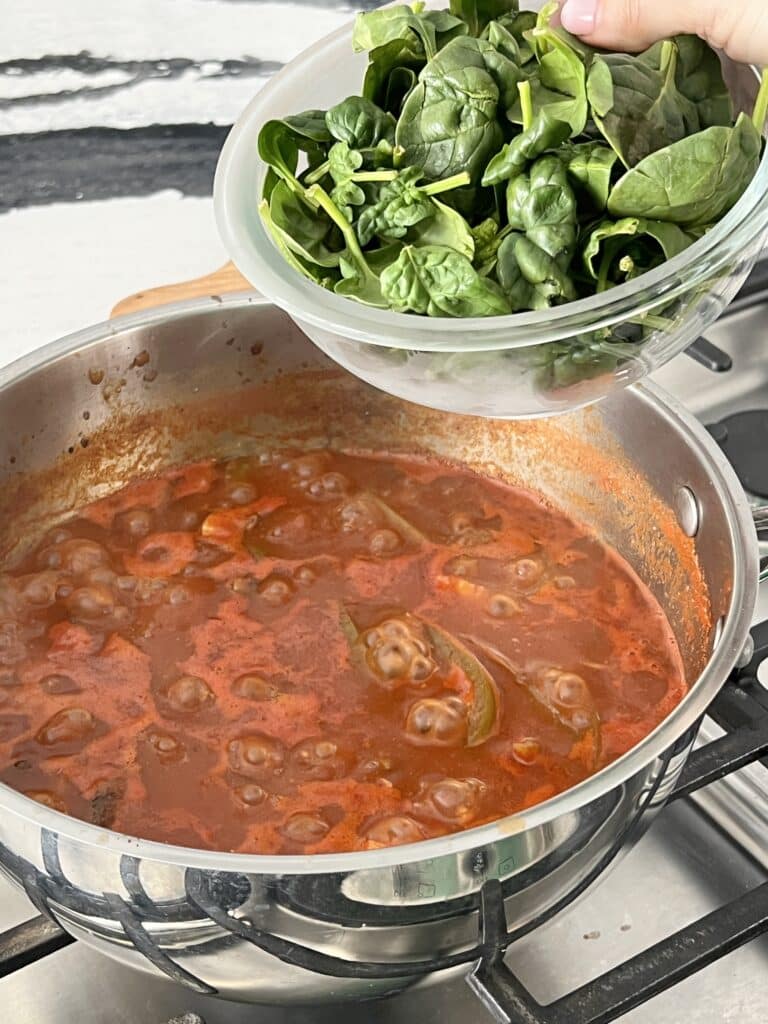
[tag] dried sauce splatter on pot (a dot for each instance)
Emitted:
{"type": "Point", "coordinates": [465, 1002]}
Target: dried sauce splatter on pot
{"type": "Point", "coordinates": [321, 652]}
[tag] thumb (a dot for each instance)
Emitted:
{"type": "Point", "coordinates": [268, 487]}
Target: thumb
{"type": "Point", "coordinates": [740, 29]}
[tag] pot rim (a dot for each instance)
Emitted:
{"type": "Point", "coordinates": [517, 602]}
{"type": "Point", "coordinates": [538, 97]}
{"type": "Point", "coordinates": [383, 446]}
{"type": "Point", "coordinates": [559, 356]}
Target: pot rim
{"type": "Point", "coordinates": [732, 637]}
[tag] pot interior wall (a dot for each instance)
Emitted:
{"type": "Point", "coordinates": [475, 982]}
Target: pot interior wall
{"type": "Point", "coordinates": [233, 377]}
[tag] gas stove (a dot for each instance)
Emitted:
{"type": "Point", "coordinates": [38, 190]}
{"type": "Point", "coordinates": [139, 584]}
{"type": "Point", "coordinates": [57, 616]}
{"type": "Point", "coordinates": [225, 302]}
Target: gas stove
{"type": "Point", "coordinates": [672, 934]}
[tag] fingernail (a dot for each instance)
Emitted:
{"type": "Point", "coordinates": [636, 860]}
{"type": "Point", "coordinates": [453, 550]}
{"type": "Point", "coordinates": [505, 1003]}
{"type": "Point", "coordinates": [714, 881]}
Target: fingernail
{"type": "Point", "coordinates": [579, 16]}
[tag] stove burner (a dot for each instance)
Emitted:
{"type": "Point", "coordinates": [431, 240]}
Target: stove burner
{"type": "Point", "coordinates": [744, 439]}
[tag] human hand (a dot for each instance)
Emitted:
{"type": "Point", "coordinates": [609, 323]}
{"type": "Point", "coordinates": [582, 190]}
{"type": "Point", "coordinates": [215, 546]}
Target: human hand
{"type": "Point", "coordinates": [739, 27]}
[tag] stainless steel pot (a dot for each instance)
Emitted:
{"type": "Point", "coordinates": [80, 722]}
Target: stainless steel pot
{"type": "Point", "coordinates": [87, 413]}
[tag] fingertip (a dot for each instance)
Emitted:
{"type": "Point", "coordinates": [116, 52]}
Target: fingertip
{"type": "Point", "coordinates": [579, 16]}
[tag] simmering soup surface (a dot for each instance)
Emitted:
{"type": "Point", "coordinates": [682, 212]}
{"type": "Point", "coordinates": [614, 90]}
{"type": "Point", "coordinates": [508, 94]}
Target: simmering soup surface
{"type": "Point", "coordinates": [316, 652]}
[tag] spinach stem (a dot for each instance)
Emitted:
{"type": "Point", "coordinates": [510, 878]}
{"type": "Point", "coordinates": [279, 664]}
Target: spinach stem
{"type": "Point", "coordinates": [324, 201]}
{"type": "Point", "coordinates": [760, 112]}
{"type": "Point", "coordinates": [455, 181]}
{"type": "Point", "coordinates": [526, 104]}
{"type": "Point", "coordinates": [374, 176]}
{"type": "Point", "coordinates": [318, 173]}
{"type": "Point", "coordinates": [668, 60]}
{"type": "Point", "coordinates": [605, 268]}
{"type": "Point", "coordinates": [657, 323]}
{"type": "Point", "coordinates": [627, 266]}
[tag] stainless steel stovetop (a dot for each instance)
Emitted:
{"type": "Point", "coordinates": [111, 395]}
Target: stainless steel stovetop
{"type": "Point", "coordinates": [700, 854]}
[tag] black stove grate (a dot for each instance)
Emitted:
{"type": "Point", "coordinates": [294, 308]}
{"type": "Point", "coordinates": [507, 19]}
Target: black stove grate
{"type": "Point", "coordinates": [741, 710]}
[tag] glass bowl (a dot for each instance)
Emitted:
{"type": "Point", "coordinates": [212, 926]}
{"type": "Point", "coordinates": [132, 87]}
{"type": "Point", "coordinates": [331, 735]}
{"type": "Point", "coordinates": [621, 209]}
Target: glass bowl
{"type": "Point", "coordinates": [512, 367]}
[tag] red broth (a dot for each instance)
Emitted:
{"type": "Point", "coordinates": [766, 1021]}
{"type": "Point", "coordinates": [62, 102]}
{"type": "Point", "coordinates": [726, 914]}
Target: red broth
{"type": "Point", "coordinates": [317, 652]}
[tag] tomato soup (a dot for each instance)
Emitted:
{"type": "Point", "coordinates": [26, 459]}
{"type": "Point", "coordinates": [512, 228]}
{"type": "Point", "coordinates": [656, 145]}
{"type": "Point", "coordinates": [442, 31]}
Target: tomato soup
{"type": "Point", "coordinates": [319, 652]}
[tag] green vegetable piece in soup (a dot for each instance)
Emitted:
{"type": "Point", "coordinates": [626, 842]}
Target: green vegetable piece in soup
{"type": "Point", "coordinates": [483, 712]}
{"type": "Point", "coordinates": [438, 281]}
{"type": "Point", "coordinates": [565, 695]}
{"type": "Point", "coordinates": [409, 533]}
{"type": "Point", "coordinates": [695, 181]}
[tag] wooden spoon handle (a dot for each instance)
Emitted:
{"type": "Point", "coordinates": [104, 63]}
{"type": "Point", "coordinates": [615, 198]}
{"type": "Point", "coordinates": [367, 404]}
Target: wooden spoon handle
{"type": "Point", "coordinates": [225, 279]}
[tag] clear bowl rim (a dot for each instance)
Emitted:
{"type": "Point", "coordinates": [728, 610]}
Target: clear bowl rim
{"type": "Point", "coordinates": [257, 257]}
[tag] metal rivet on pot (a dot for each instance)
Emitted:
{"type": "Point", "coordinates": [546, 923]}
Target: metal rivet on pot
{"type": "Point", "coordinates": [719, 626]}
{"type": "Point", "coordinates": [688, 511]}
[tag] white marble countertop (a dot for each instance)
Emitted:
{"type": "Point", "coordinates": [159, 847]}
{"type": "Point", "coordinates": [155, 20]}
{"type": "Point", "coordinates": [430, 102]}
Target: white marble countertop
{"type": "Point", "coordinates": [92, 204]}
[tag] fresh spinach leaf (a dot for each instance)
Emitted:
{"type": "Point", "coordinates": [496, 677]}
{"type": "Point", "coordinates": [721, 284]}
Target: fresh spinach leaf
{"type": "Point", "coordinates": [343, 163]}
{"type": "Point", "coordinates": [562, 365]}
{"type": "Point", "coordinates": [518, 26]}
{"type": "Point", "coordinates": [534, 259]}
{"type": "Point", "coordinates": [540, 35]}
{"type": "Point", "coordinates": [522, 131]}
{"type": "Point", "coordinates": [487, 237]}
{"type": "Point", "coordinates": [445, 227]}
{"type": "Point", "coordinates": [400, 85]}
{"type": "Point", "coordinates": [636, 104]}
{"type": "Point", "coordinates": [560, 82]}
{"type": "Point", "coordinates": [478, 13]}
{"type": "Point", "coordinates": [617, 251]}
{"type": "Point", "coordinates": [700, 80]}
{"type": "Point", "coordinates": [449, 121]}
{"type": "Point", "coordinates": [304, 229]}
{"type": "Point", "coordinates": [543, 205]}
{"type": "Point", "coordinates": [506, 73]}
{"type": "Point", "coordinates": [438, 281]}
{"type": "Point", "coordinates": [502, 40]}
{"type": "Point", "coordinates": [590, 167]}
{"type": "Point", "coordinates": [280, 143]}
{"type": "Point", "coordinates": [310, 125]}
{"type": "Point", "coordinates": [391, 73]}
{"type": "Point", "coordinates": [377, 28]}
{"type": "Point", "coordinates": [360, 123]}
{"type": "Point", "coordinates": [546, 132]}
{"type": "Point", "coordinates": [324, 276]}
{"type": "Point", "coordinates": [446, 25]}
{"type": "Point", "coordinates": [401, 204]}
{"type": "Point", "coordinates": [694, 181]}
{"type": "Point", "coordinates": [360, 282]}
